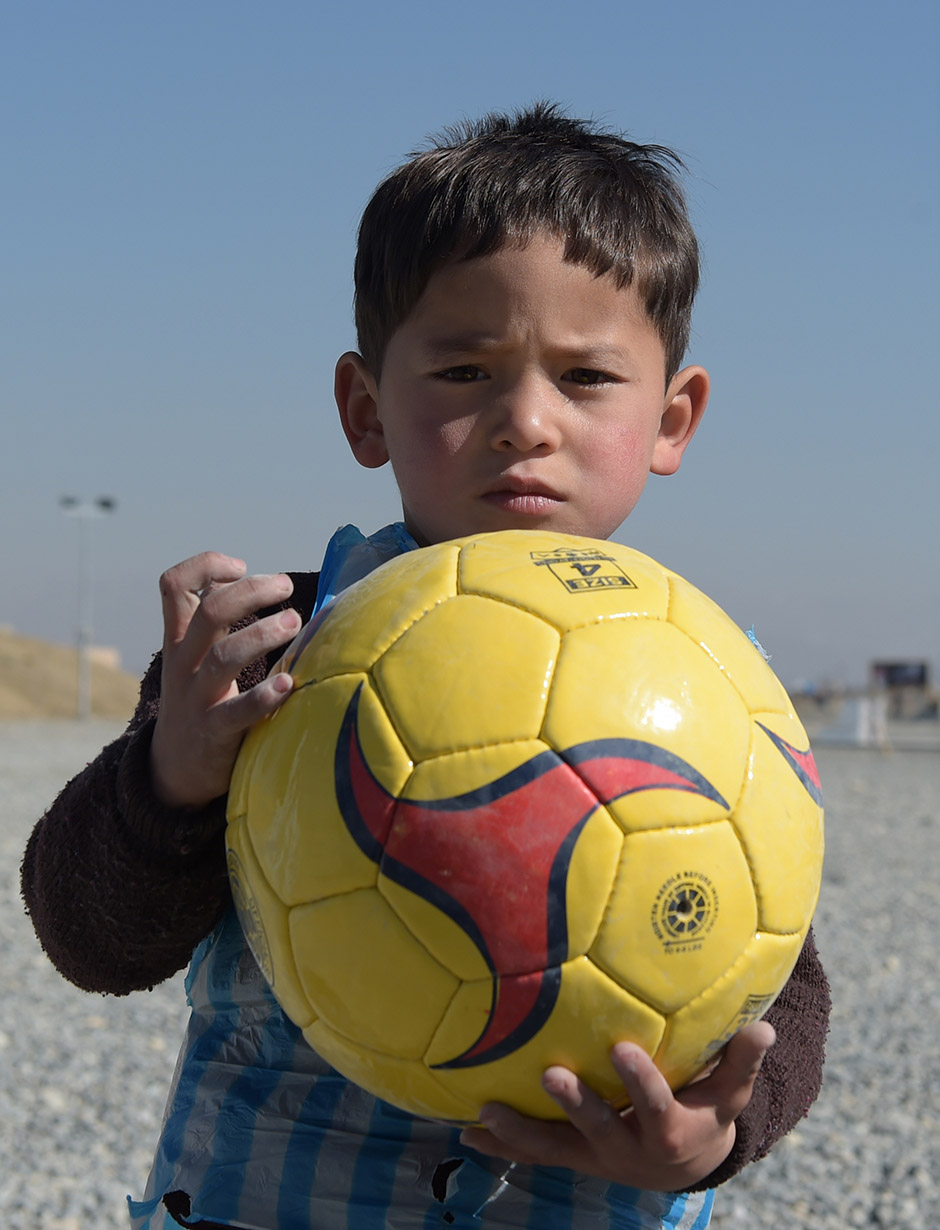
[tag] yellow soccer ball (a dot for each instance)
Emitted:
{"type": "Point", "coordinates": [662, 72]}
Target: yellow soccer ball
{"type": "Point", "coordinates": [531, 795]}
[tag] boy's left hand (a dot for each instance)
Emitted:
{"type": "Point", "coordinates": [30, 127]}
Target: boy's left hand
{"type": "Point", "coordinates": [664, 1142]}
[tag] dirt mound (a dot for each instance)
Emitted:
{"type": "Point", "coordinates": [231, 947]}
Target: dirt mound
{"type": "Point", "coordinates": [40, 680]}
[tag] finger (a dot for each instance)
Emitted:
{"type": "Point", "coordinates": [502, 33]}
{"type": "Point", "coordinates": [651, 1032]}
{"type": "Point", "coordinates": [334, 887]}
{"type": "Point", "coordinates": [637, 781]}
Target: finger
{"type": "Point", "coordinates": [753, 1042]}
{"type": "Point", "coordinates": [222, 606]}
{"type": "Point", "coordinates": [648, 1090]}
{"type": "Point", "coordinates": [485, 1142]}
{"type": "Point", "coordinates": [225, 658]}
{"type": "Point", "coordinates": [730, 1086]}
{"type": "Point", "coordinates": [242, 711]}
{"type": "Point", "coordinates": [593, 1117]}
{"type": "Point", "coordinates": [226, 605]}
{"type": "Point", "coordinates": [508, 1134]}
{"type": "Point", "coordinates": [182, 586]}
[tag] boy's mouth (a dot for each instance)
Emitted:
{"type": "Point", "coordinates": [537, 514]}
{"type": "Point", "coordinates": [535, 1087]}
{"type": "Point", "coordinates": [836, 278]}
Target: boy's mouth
{"type": "Point", "coordinates": [522, 495]}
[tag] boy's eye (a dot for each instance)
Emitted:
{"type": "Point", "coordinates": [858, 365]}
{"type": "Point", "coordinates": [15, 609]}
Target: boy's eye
{"type": "Point", "coordinates": [463, 373]}
{"type": "Point", "coordinates": [588, 376]}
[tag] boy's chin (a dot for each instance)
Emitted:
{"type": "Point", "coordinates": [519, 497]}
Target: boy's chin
{"type": "Point", "coordinates": [536, 518]}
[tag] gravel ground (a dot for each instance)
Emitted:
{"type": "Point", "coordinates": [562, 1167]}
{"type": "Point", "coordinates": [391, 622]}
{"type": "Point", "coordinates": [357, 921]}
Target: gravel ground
{"type": "Point", "coordinates": [83, 1078]}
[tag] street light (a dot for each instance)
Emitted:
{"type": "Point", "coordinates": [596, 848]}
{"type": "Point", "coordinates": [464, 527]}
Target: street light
{"type": "Point", "coordinates": [87, 511]}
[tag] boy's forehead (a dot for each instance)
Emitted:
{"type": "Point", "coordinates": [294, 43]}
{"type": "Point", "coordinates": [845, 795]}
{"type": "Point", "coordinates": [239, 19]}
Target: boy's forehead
{"type": "Point", "coordinates": [469, 302]}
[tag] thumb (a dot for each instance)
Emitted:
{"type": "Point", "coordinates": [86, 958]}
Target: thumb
{"type": "Point", "coordinates": [740, 1065]}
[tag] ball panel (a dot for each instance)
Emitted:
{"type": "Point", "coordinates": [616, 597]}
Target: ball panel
{"type": "Point", "coordinates": [446, 941]}
{"type": "Point", "coordinates": [359, 625]}
{"type": "Point", "coordinates": [743, 994]}
{"type": "Point", "coordinates": [302, 841]}
{"type": "Point", "coordinates": [265, 922]}
{"type": "Point", "coordinates": [469, 771]}
{"type": "Point", "coordinates": [366, 977]}
{"type": "Point", "coordinates": [467, 705]}
{"type": "Point", "coordinates": [435, 876]}
{"type": "Point", "coordinates": [468, 1018]}
{"type": "Point", "coordinates": [590, 1014]}
{"type": "Point", "coordinates": [592, 873]}
{"type": "Point", "coordinates": [566, 580]}
{"type": "Point", "coordinates": [497, 859]}
{"type": "Point", "coordinates": [681, 911]}
{"type": "Point", "coordinates": [781, 824]}
{"type": "Point", "coordinates": [405, 1083]}
{"type": "Point", "coordinates": [707, 625]}
{"type": "Point", "coordinates": [654, 687]}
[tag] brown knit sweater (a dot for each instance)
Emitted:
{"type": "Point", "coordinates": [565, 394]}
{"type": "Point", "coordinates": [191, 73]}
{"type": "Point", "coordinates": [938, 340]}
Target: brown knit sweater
{"type": "Point", "coordinates": [121, 890]}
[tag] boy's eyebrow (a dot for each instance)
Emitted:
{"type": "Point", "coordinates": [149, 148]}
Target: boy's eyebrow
{"type": "Point", "coordinates": [456, 343]}
{"type": "Point", "coordinates": [447, 345]}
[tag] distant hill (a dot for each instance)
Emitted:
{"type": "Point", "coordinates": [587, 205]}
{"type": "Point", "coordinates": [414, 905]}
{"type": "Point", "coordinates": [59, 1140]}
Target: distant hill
{"type": "Point", "coordinates": [40, 680]}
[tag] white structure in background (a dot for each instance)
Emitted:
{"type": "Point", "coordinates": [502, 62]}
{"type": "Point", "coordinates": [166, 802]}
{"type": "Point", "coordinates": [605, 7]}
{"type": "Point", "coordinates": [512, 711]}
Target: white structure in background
{"type": "Point", "coordinates": [862, 721]}
{"type": "Point", "coordinates": [87, 512]}
{"type": "Point", "coordinates": [871, 721]}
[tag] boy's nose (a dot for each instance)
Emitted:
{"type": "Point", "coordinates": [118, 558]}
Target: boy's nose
{"type": "Point", "coordinates": [523, 420]}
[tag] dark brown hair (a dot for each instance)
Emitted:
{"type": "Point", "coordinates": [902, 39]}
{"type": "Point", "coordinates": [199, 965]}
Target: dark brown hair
{"type": "Point", "coordinates": [618, 207]}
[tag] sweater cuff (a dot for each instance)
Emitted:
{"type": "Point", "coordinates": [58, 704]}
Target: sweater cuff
{"type": "Point", "coordinates": [166, 832]}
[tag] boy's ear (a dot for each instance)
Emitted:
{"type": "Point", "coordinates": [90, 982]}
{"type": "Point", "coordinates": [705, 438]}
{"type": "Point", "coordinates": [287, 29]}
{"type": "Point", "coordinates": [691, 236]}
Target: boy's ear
{"type": "Point", "coordinates": [683, 407]}
{"type": "Point", "coordinates": [357, 399]}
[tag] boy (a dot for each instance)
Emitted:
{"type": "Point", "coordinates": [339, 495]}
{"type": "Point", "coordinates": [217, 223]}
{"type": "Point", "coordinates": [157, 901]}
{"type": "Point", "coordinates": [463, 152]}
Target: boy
{"type": "Point", "coordinates": [523, 297]}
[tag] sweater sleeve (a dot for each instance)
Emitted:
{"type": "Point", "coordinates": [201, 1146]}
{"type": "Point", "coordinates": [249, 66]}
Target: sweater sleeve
{"type": "Point", "coordinates": [791, 1075]}
{"type": "Point", "coordinates": [119, 888]}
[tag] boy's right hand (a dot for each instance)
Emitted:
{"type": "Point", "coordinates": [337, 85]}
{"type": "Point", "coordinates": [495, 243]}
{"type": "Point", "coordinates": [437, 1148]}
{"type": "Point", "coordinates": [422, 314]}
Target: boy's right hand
{"type": "Point", "coordinates": [203, 717]}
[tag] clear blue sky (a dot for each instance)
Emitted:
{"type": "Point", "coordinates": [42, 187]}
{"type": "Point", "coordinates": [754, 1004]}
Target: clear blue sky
{"type": "Point", "coordinates": [181, 188]}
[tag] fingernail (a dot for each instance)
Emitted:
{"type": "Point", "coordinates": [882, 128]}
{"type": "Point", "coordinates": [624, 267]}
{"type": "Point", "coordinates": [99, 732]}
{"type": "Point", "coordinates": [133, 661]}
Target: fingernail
{"type": "Point", "coordinates": [625, 1054]}
{"type": "Point", "coordinates": [289, 621]}
{"type": "Point", "coordinates": [282, 682]}
{"type": "Point", "coordinates": [551, 1081]}
{"type": "Point", "coordinates": [280, 580]}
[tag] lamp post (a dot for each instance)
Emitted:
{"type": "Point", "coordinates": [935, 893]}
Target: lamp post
{"type": "Point", "coordinates": [86, 511]}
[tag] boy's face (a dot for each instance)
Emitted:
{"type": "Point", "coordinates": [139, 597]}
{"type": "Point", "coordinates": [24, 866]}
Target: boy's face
{"type": "Point", "coordinates": [521, 392]}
